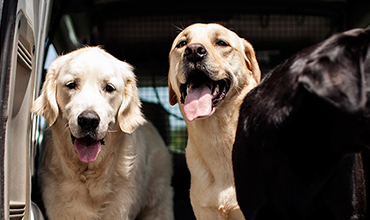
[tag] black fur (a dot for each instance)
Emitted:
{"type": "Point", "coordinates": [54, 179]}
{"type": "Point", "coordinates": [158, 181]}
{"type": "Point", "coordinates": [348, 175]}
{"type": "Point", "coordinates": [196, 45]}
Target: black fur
{"type": "Point", "coordinates": [300, 133]}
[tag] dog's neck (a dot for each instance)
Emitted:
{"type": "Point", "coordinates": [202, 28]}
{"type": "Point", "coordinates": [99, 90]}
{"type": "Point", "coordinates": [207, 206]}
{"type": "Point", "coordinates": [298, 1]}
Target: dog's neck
{"type": "Point", "coordinates": [209, 133]}
{"type": "Point", "coordinates": [211, 139]}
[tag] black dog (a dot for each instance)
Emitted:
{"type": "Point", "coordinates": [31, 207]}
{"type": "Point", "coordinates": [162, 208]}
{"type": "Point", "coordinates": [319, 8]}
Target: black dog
{"type": "Point", "coordinates": [300, 133]}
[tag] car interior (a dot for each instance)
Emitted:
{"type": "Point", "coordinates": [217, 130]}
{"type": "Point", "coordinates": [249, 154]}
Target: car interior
{"type": "Point", "coordinates": [140, 32]}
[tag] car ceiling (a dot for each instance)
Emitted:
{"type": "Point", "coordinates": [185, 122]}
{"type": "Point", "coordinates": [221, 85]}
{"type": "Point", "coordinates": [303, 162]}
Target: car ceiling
{"type": "Point", "coordinates": [141, 31]}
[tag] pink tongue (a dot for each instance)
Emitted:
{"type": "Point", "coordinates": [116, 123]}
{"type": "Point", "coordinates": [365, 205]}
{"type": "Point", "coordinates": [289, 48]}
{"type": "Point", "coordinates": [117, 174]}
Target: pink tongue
{"type": "Point", "coordinates": [87, 149]}
{"type": "Point", "coordinates": [198, 102]}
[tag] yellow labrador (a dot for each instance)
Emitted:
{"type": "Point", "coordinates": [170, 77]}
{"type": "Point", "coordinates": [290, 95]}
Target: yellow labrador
{"type": "Point", "coordinates": [211, 71]}
{"type": "Point", "coordinates": [102, 161]}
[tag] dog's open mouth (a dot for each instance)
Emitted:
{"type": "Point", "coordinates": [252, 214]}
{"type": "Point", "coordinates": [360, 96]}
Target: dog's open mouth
{"type": "Point", "coordinates": [200, 94]}
{"type": "Point", "coordinates": [87, 148]}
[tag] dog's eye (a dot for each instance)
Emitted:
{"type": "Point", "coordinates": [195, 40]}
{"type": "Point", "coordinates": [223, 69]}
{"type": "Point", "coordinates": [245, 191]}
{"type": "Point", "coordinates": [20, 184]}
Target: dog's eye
{"type": "Point", "coordinates": [181, 44]}
{"type": "Point", "coordinates": [109, 88]}
{"type": "Point", "coordinates": [71, 85]}
{"type": "Point", "coordinates": [222, 43]}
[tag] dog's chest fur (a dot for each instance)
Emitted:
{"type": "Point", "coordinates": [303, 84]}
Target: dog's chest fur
{"type": "Point", "coordinates": [208, 156]}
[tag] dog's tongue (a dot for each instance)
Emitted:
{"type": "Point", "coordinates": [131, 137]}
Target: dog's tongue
{"type": "Point", "coordinates": [87, 149]}
{"type": "Point", "coordinates": [198, 102]}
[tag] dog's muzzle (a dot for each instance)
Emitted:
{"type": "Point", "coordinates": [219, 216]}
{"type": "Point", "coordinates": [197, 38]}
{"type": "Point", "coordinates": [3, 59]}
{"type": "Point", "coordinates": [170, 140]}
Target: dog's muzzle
{"type": "Point", "coordinates": [87, 147]}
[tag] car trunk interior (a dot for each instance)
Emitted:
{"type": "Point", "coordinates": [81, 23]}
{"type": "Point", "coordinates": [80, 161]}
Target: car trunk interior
{"type": "Point", "coordinates": [141, 32]}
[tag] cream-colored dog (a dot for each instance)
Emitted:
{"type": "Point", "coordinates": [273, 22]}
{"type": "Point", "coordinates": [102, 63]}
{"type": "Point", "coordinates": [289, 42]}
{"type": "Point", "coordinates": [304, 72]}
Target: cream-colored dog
{"type": "Point", "coordinates": [102, 161]}
{"type": "Point", "coordinates": [211, 71]}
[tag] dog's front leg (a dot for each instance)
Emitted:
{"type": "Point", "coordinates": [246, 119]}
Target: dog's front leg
{"type": "Point", "coordinates": [208, 213]}
{"type": "Point", "coordinates": [210, 208]}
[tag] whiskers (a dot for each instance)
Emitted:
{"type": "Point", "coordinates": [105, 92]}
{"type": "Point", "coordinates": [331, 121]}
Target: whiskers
{"type": "Point", "coordinates": [111, 131]}
{"type": "Point", "coordinates": [66, 126]}
{"type": "Point", "coordinates": [178, 28]}
{"type": "Point", "coordinates": [238, 87]}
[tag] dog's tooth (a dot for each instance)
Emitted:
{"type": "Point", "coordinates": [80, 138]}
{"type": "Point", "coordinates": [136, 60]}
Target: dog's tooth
{"type": "Point", "coordinates": [217, 89]}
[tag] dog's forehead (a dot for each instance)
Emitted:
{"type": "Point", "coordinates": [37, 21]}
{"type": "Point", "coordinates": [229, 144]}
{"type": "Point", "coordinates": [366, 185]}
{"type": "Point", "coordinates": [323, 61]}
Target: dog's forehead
{"type": "Point", "coordinates": [91, 58]}
{"type": "Point", "coordinates": [207, 32]}
{"type": "Point", "coordinates": [90, 64]}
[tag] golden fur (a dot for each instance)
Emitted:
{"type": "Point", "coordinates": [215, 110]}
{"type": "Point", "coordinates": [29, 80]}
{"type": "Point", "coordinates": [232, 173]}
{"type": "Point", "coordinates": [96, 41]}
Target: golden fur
{"type": "Point", "coordinates": [211, 138]}
{"type": "Point", "coordinates": [131, 175]}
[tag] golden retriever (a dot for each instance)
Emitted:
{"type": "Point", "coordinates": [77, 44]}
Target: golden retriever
{"type": "Point", "coordinates": [211, 71]}
{"type": "Point", "coordinates": [102, 161]}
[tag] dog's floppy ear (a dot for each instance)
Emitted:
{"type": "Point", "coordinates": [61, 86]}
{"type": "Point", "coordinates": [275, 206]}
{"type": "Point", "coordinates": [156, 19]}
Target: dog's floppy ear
{"type": "Point", "coordinates": [46, 104]}
{"type": "Point", "coordinates": [129, 113]}
{"type": "Point", "coordinates": [172, 95]}
{"type": "Point", "coordinates": [339, 83]}
{"type": "Point", "coordinates": [251, 60]}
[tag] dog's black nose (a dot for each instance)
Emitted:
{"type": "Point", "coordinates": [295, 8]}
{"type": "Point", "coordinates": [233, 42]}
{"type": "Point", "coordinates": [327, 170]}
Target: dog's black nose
{"type": "Point", "coordinates": [88, 120]}
{"type": "Point", "coordinates": [195, 52]}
